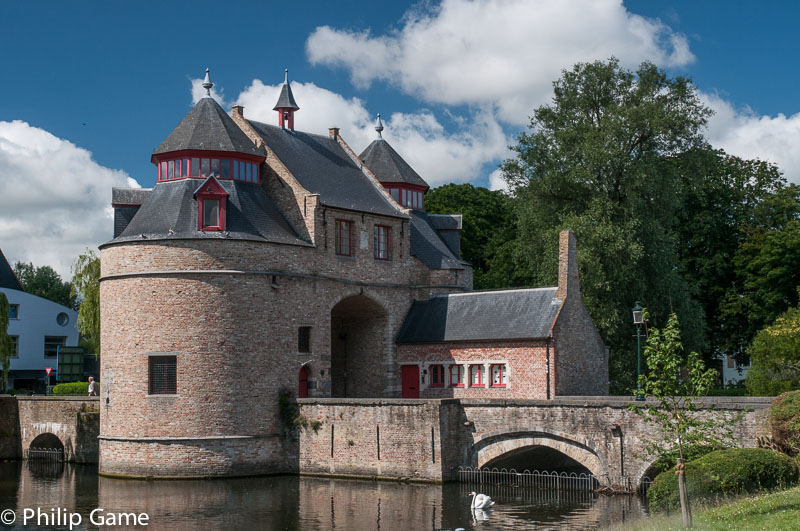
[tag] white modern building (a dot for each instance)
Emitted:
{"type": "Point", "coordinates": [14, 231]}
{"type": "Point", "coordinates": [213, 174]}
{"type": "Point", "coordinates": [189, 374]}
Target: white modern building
{"type": "Point", "coordinates": [37, 328]}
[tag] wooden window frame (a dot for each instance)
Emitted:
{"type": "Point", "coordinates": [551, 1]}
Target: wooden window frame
{"type": "Point", "coordinates": [481, 379]}
{"type": "Point", "coordinates": [376, 242]}
{"type": "Point", "coordinates": [503, 371]}
{"type": "Point", "coordinates": [460, 371]}
{"type": "Point", "coordinates": [339, 225]}
{"type": "Point", "coordinates": [433, 369]}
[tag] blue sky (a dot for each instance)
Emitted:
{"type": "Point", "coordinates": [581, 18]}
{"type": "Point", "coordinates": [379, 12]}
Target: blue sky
{"type": "Point", "coordinates": [90, 89]}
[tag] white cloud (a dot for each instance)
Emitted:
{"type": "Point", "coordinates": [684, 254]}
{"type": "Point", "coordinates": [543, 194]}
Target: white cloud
{"type": "Point", "coordinates": [496, 181]}
{"type": "Point", "coordinates": [198, 92]}
{"type": "Point", "coordinates": [500, 53]}
{"type": "Point", "coordinates": [438, 155]}
{"type": "Point", "coordinates": [56, 201]}
{"type": "Point", "coordinates": [747, 134]}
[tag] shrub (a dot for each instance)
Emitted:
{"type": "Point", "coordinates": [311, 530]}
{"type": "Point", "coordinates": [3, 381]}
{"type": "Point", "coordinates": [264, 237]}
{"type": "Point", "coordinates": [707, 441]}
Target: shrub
{"type": "Point", "coordinates": [73, 388]}
{"type": "Point", "coordinates": [784, 421]}
{"type": "Point", "coordinates": [724, 473]}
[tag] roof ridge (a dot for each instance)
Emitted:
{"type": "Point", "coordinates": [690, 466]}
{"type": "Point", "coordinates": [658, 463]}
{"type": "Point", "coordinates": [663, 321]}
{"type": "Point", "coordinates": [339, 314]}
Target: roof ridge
{"type": "Point", "coordinates": [486, 292]}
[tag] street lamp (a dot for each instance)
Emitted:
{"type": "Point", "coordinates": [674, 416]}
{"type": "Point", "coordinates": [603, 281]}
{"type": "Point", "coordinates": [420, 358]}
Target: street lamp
{"type": "Point", "coordinates": [638, 320]}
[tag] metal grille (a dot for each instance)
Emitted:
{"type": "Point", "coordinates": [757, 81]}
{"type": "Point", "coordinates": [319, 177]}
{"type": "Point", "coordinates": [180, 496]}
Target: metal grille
{"type": "Point", "coordinates": [163, 375]}
{"type": "Point", "coordinates": [304, 339]}
{"type": "Point", "coordinates": [543, 479]}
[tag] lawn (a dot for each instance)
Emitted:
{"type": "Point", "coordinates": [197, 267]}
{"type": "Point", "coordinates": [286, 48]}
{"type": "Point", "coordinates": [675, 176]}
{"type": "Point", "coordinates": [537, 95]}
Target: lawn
{"type": "Point", "coordinates": [772, 511]}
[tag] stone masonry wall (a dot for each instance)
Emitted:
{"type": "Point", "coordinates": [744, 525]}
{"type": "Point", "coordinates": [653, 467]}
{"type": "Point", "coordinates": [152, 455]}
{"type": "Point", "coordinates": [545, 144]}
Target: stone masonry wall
{"type": "Point", "coordinates": [473, 432]}
{"type": "Point", "coordinates": [9, 429]}
{"type": "Point", "coordinates": [74, 420]}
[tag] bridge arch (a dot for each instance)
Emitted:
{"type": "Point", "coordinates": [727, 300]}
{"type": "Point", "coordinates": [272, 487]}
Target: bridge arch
{"type": "Point", "coordinates": [491, 447]}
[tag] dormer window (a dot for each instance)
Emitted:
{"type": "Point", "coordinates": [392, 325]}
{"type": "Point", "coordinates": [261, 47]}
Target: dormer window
{"type": "Point", "coordinates": [209, 165]}
{"type": "Point", "coordinates": [408, 196]}
{"type": "Point", "coordinates": [211, 205]}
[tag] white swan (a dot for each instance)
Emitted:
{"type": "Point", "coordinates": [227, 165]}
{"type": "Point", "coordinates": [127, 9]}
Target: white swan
{"type": "Point", "coordinates": [480, 501]}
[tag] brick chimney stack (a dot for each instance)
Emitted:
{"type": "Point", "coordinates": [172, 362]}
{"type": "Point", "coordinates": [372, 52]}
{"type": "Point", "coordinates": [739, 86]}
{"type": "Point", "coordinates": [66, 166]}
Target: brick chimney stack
{"type": "Point", "coordinates": [333, 132]}
{"type": "Point", "coordinates": [568, 282]}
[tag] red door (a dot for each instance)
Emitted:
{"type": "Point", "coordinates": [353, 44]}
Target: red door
{"type": "Point", "coordinates": [302, 389]}
{"type": "Point", "coordinates": [410, 381]}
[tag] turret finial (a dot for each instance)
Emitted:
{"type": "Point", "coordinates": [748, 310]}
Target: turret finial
{"type": "Point", "coordinates": [207, 84]}
{"type": "Point", "coordinates": [286, 76]}
{"type": "Point", "coordinates": [379, 126]}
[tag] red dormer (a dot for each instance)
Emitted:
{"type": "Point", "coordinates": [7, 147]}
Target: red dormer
{"type": "Point", "coordinates": [212, 202]}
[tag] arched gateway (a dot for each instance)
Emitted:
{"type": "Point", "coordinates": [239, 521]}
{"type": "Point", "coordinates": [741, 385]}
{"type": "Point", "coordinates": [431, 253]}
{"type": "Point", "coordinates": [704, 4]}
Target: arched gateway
{"type": "Point", "coordinates": [359, 337]}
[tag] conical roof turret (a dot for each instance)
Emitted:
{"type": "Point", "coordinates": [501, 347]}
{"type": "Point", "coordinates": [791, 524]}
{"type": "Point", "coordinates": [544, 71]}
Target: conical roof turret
{"type": "Point", "coordinates": [286, 99]}
{"type": "Point", "coordinates": [386, 164]}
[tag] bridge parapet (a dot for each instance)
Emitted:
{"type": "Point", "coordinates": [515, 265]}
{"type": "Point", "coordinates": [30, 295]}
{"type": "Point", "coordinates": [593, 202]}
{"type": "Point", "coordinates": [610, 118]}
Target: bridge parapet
{"type": "Point", "coordinates": [73, 419]}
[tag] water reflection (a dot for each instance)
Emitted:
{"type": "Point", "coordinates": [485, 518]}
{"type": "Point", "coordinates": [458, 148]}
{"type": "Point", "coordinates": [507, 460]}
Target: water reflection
{"type": "Point", "coordinates": [289, 503]}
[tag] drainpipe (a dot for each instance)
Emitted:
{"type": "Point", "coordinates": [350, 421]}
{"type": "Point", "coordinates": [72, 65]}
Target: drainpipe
{"type": "Point", "coordinates": [547, 366]}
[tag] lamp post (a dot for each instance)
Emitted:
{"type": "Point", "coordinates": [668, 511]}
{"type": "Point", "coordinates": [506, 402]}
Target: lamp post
{"type": "Point", "coordinates": [638, 320]}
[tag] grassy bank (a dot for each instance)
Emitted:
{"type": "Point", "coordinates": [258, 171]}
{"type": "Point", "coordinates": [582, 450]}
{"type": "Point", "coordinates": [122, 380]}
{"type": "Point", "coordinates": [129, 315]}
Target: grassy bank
{"type": "Point", "coordinates": [773, 511]}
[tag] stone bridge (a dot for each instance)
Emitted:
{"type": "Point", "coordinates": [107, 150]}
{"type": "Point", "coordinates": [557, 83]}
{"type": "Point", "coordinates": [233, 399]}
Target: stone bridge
{"type": "Point", "coordinates": [50, 421]}
{"type": "Point", "coordinates": [429, 439]}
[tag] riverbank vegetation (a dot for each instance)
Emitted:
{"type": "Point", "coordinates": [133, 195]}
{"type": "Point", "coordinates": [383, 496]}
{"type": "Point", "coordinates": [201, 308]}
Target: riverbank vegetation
{"type": "Point", "coordinates": [771, 510]}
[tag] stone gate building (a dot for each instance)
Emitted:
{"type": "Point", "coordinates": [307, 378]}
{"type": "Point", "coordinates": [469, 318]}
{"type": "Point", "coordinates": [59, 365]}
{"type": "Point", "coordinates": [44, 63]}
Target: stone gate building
{"type": "Point", "coordinates": [268, 260]}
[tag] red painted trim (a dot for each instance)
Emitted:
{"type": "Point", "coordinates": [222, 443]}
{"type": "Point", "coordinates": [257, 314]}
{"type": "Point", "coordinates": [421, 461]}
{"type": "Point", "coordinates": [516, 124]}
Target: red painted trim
{"type": "Point", "coordinates": [232, 157]}
{"type": "Point", "coordinates": [337, 225]}
{"type": "Point", "coordinates": [208, 154]}
{"type": "Point", "coordinates": [460, 376]}
{"type": "Point", "coordinates": [480, 383]}
{"type": "Point", "coordinates": [211, 191]}
{"type": "Point", "coordinates": [441, 373]}
{"type": "Point", "coordinates": [491, 374]}
{"type": "Point", "coordinates": [376, 248]}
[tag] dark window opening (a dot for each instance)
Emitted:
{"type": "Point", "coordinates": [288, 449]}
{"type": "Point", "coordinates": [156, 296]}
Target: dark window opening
{"type": "Point", "coordinates": [51, 345]}
{"type": "Point", "coordinates": [304, 339]}
{"type": "Point", "coordinates": [163, 377]}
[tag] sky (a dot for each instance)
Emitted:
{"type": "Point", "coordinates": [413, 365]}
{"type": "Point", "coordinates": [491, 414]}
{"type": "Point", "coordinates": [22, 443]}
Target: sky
{"type": "Point", "coordinates": [89, 89]}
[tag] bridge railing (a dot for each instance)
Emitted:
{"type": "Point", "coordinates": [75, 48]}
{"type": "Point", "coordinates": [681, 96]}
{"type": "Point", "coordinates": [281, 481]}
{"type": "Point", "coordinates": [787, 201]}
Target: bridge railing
{"type": "Point", "coordinates": [46, 454]}
{"type": "Point", "coordinates": [568, 481]}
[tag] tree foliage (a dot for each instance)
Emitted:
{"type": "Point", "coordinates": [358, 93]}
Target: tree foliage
{"type": "Point", "coordinates": [775, 356]}
{"type": "Point", "coordinates": [677, 381]}
{"type": "Point", "coordinates": [488, 230]}
{"type": "Point", "coordinates": [44, 282]}
{"type": "Point", "coordinates": [86, 283]}
{"type": "Point", "coordinates": [604, 159]}
{"type": "Point", "coordinates": [5, 341]}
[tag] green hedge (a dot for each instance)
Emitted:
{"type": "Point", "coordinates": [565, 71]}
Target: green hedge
{"type": "Point", "coordinates": [724, 473]}
{"type": "Point", "coordinates": [74, 388]}
{"type": "Point", "coordinates": [784, 421]}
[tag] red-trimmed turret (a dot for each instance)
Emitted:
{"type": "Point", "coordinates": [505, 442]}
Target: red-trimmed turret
{"type": "Point", "coordinates": [286, 105]}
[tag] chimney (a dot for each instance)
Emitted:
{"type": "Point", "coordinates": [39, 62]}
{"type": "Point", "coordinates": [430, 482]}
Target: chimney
{"type": "Point", "coordinates": [568, 282]}
{"type": "Point", "coordinates": [238, 110]}
{"type": "Point", "coordinates": [334, 132]}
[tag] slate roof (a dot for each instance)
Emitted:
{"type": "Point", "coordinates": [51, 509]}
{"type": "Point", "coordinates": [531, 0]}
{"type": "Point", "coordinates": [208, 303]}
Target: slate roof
{"type": "Point", "coordinates": [322, 167]}
{"type": "Point", "coordinates": [481, 316]}
{"type": "Point", "coordinates": [286, 99]}
{"type": "Point", "coordinates": [388, 166]}
{"type": "Point", "coordinates": [445, 221]}
{"type": "Point", "coordinates": [129, 196]}
{"type": "Point", "coordinates": [171, 212]}
{"type": "Point", "coordinates": [208, 127]}
{"type": "Point", "coordinates": [8, 279]}
{"type": "Point", "coordinates": [428, 246]}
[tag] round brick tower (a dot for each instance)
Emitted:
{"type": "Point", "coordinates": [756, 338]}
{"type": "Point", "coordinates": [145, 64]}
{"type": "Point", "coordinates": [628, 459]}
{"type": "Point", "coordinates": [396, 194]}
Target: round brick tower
{"type": "Point", "coordinates": [182, 338]}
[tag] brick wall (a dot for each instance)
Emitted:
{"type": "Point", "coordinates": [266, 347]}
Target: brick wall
{"type": "Point", "coordinates": [9, 429]}
{"type": "Point", "coordinates": [524, 360]}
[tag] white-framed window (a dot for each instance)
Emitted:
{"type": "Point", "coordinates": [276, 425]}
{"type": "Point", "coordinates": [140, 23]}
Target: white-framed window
{"type": "Point", "coordinates": [437, 375]}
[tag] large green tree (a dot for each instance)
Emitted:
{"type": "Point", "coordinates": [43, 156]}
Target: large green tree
{"type": "Point", "coordinates": [86, 285]}
{"type": "Point", "coordinates": [605, 159]}
{"type": "Point", "coordinates": [488, 231]}
{"type": "Point", "coordinates": [45, 282]}
{"type": "Point", "coordinates": [775, 356]}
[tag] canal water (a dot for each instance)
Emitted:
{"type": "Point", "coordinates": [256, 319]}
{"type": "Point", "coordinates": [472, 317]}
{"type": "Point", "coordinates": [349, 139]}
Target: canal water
{"type": "Point", "coordinates": [61, 493]}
